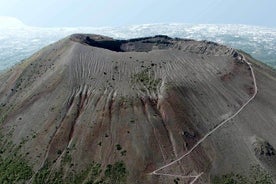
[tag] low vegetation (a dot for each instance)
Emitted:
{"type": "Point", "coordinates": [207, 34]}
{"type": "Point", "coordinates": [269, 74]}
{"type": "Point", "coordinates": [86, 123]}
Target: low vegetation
{"type": "Point", "coordinates": [113, 174]}
{"type": "Point", "coordinates": [44, 176]}
{"type": "Point", "coordinates": [14, 169]}
{"type": "Point", "coordinates": [91, 175]}
{"type": "Point", "coordinates": [257, 175]}
{"type": "Point", "coordinates": [146, 78]}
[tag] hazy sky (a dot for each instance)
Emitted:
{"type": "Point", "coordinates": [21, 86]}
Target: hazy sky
{"type": "Point", "coordinates": [128, 12]}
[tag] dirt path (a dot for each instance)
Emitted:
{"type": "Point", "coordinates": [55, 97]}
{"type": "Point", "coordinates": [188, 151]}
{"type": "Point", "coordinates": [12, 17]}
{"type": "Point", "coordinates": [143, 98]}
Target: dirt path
{"type": "Point", "coordinates": [206, 136]}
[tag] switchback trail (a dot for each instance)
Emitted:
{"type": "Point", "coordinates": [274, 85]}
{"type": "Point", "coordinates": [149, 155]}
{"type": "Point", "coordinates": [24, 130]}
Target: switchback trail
{"type": "Point", "coordinates": [155, 172]}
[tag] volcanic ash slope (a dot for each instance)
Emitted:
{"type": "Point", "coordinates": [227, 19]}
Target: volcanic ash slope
{"type": "Point", "coordinates": [93, 109]}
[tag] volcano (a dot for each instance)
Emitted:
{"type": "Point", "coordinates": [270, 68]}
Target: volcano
{"type": "Point", "coordinates": [93, 109]}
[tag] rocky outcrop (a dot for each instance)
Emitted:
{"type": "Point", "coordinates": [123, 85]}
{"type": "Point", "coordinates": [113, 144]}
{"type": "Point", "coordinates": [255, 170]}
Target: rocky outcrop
{"type": "Point", "coordinates": [263, 148]}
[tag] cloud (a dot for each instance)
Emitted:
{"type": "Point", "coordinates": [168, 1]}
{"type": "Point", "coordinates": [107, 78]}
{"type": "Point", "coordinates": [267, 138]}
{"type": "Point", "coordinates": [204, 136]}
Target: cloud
{"type": "Point", "coordinates": [10, 22]}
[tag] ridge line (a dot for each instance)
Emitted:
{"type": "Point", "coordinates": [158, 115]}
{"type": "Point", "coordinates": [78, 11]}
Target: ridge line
{"type": "Point", "coordinates": [155, 172]}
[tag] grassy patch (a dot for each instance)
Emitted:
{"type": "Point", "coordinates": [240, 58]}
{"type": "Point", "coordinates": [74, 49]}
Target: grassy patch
{"type": "Point", "coordinates": [146, 78]}
{"type": "Point", "coordinates": [257, 175]}
{"type": "Point", "coordinates": [4, 113]}
{"type": "Point", "coordinates": [43, 176]}
{"type": "Point", "coordinates": [113, 174]}
{"type": "Point", "coordinates": [67, 158]}
{"type": "Point", "coordinates": [14, 170]}
{"type": "Point", "coordinates": [91, 175]}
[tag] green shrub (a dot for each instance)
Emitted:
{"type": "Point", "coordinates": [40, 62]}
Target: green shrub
{"type": "Point", "coordinates": [257, 175]}
{"type": "Point", "coordinates": [91, 174]}
{"type": "Point", "coordinates": [115, 174]}
{"type": "Point", "coordinates": [14, 170]}
{"type": "Point", "coordinates": [230, 179]}
{"type": "Point", "coordinates": [146, 79]}
{"type": "Point", "coordinates": [118, 147]}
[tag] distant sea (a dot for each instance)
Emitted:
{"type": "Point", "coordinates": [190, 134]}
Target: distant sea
{"type": "Point", "coordinates": [20, 42]}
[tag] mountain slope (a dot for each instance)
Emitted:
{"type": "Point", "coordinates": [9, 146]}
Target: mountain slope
{"type": "Point", "coordinates": [128, 107]}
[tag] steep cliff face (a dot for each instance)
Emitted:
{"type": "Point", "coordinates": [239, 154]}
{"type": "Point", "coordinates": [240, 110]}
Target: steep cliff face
{"type": "Point", "coordinates": [92, 109]}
